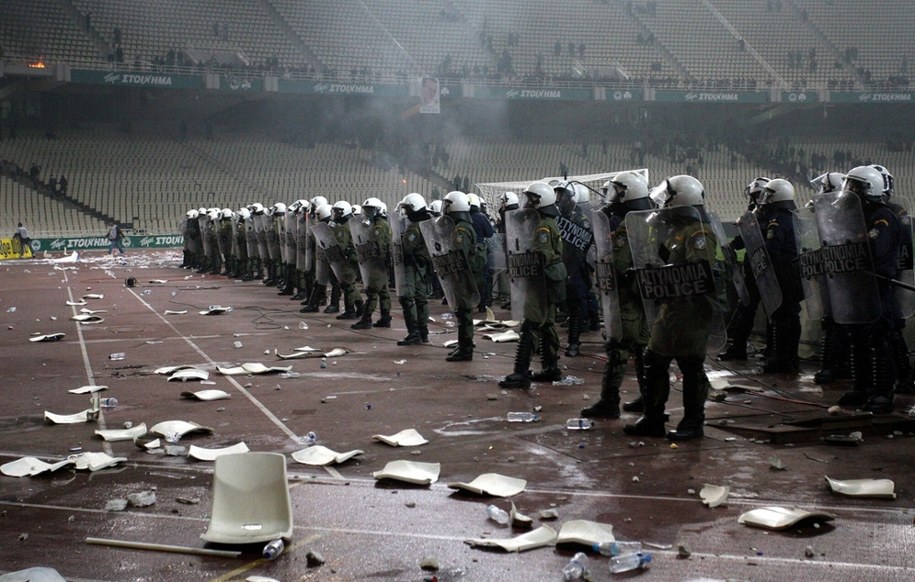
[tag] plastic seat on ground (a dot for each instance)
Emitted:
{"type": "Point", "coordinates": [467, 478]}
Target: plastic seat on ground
{"type": "Point", "coordinates": [251, 502]}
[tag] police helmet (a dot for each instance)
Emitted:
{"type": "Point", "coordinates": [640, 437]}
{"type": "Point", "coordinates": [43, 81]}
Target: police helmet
{"type": "Point", "coordinates": [682, 190]}
{"type": "Point", "coordinates": [413, 202]}
{"type": "Point", "coordinates": [865, 181]}
{"type": "Point", "coordinates": [540, 195]}
{"type": "Point", "coordinates": [627, 187]}
{"type": "Point", "coordinates": [227, 213]}
{"type": "Point", "coordinates": [435, 207]}
{"type": "Point", "coordinates": [508, 198]}
{"type": "Point", "coordinates": [192, 213]}
{"type": "Point", "coordinates": [324, 211]}
{"type": "Point", "coordinates": [318, 201]}
{"type": "Point", "coordinates": [474, 200]}
{"type": "Point", "coordinates": [828, 182]}
{"type": "Point", "coordinates": [888, 181]}
{"type": "Point", "coordinates": [755, 188]}
{"type": "Point", "coordinates": [456, 201]}
{"type": "Point", "coordinates": [777, 190]}
{"type": "Point", "coordinates": [243, 213]}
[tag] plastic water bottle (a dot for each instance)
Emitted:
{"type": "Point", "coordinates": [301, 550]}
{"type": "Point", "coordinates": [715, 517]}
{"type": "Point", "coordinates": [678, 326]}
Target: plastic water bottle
{"type": "Point", "coordinates": [523, 417]}
{"type": "Point", "coordinates": [577, 568]}
{"type": "Point", "coordinates": [497, 514]}
{"type": "Point", "coordinates": [108, 402]}
{"type": "Point", "coordinates": [617, 548]}
{"type": "Point", "coordinates": [579, 424]}
{"type": "Point", "coordinates": [117, 356]}
{"type": "Point", "coordinates": [627, 562]}
{"type": "Point", "coordinates": [303, 325]}
{"type": "Point", "coordinates": [273, 550]}
{"type": "Point", "coordinates": [309, 439]}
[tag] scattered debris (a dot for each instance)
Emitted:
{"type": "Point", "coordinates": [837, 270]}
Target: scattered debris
{"type": "Point", "coordinates": [548, 514]}
{"type": "Point", "coordinates": [540, 537]}
{"type": "Point", "coordinates": [31, 466]}
{"type": "Point", "coordinates": [683, 551]}
{"type": "Point", "coordinates": [410, 472]}
{"type": "Point", "coordinates": [877, 488]}
{"type": "Point", "coordinates": [252, 368]}
{"type": "Point", "coordinates": [202, 454]}
{"type": "Point", "coordinates": [51, 337]}
{"type": "Point", "coordinates": [409, 437]}
{"type": "Point", "coordinates": [776, 464]}
{"type": "Point", "coordinates": [76, 418]}
{"type": "Point", "coordinates": [207, 395]}
{"type": "Point", "coordinates": [116, 505]}
{"type": "Point", "coordinates": [429, 564]}
{"type": "Point", "coordinates": [318, 455]}
{"type": "Point", "coordinates": [127, 434]}
{"type": "Point", "coordinates": [189, 374]}
{"type": "Point", "coordinates": [314, 559]}
{"type": "Point", "coordinates": [585, 532]}
{"type": "Point", "coordinates": [492, 484]}
{"type": "Point", "coordinates": [87, 389]}
{"type": "Point", "coordinates": [141, 499]}
{"type": "Point", "coordinates": [714, 495]}
{"type": "Point", "coordinates": [778, 518]}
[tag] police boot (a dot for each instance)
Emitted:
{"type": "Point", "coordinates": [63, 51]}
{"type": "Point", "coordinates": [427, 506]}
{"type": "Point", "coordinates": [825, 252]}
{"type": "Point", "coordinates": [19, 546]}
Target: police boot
{"type": "Point", "coordinates": [384, 320]}
{"type": "Point", "coordinates": [184, 259]}
{"type": "Point", "coordinates": [409, 319]}
{"type": "Point", "coordinates": [521, 376]}
{"type": "Point", "coordinates": [353, 311]}
{"type": "Point", "coordinates": [574, 347]}
{"type": "Point", "coordinates": [258, 269]}
{"type": "Point", "coordinates": [423, 333]}
{"type": "Point", "coordinates": [695, 392]}
{"type": "Point", "coordinates": [549, 357]}
{"type": "Point", "coordinates": [365, 319]}
{"type": "Point", "coordinates": [288, 281]}
{"type": "Point", "coordinates": [638, 357]}
{"type": "Point", "coordinates": [204, 265]}
{"type": "Point", "coordinates": [782, 360]}
{"type": "Point", "coordinates": [299, 286]}
{"type": "Point", "coordinates": [463, 353]}
{"type": "Point", "coordinates": [904, 381]}
{"type": "Point", "coordinates": [880, 398]}
{"type": "Point", "coordinates": [269, 272]}
{"type": "Point", "coordinates": [858, 351]}
{"type": "Point", "coordinates": [334, 304]}
{"type": "Point", "coordinates": [833, 353]}
{"type": "Point", "coordinates": [317, 297]}
{"type": "Point", "coordinates": [609, 404]}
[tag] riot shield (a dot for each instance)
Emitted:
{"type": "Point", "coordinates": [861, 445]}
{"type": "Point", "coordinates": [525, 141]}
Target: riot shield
{"type": "Point", "coordinates": [204, 222]}
{"type": "Point", "coordinates": [300, 235]}
{"type": "Point", "coordinates": [496, 254]}
{"type": "Point", "coordinates": [333, 254]}
{"type": "Point", "coordinates": [735, 271]}
{"type": "Point", "coordinates": [770, 292]}
{"type": "Point", "coordinates": [847, 262]}
{"type": "Point", "coordinates": [606, 278]}
{"type": "Point", "coordinates": [233, 246]}
{"type": "Point", "coordinates": [525, 265]}
{"type": "Point", "coordinates": [322, 267]}
{"type": "Point", "coordinates": [673, 253]}
{"type": "Point", "coordinates": [905, 298]}
{"type": "Point", "coordinates": [398, 226]}
{"type": "Point", "coordinates": [289, 220]}
{"type": "Point", "coordinates": [260, 234]}
{"type": "Point", "coordinates": [573, 233]}
{"type": "Point", "coordinates": [250, 237]}
{"type": "Point", "coordinates": [309, 242]}
{"type": "Point", "coordinates": [450, 263]}
{"type": "Point", "coordinates": [373, 263]}
{"type": "Point", "coordinates": [810, 259]}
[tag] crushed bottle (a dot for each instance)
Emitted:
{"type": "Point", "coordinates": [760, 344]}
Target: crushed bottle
{"type": "Point", "coordinates": [579, 424]}
{"type": "Point", "coordinates": [273, 550]}
{"type": "Point", "coordinates": [497, 514]}
{"type": "Point", "coordinates": [629, 562]}
{"type": "Point", "coordinates": [522, 417]}
{"type": "Point", "coordinates": [617, 548]}
{"type": "Point", "coordinates": [577, 568]}
{"type": "Point", "coordinates": [117, 356]}
{"type": "Point", "coordinates": [309, 439]}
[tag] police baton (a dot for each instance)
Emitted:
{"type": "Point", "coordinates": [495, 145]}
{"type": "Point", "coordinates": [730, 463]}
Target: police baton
{"type": "Point", "coordinates": [895, 282]}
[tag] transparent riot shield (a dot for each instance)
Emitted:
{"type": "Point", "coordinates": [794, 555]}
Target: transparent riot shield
{"type": "Point", "coordinates": [905, 298]}
{"type": "Point", "coordinates": [398, 227]}
{"type": "Point", "coordinates": [300, 240]}
{"type": "Point", "coordinates": [810, 259]}
{"type": "Point", "coordinates": [674, 255]}
{"type": "Point", "coordinates": [770, 292]}
{"type": "Point", "coordinates": [734, 269]}
{"type": "Point", "coordinates": [850, 281]}
{"type": "Point", "coordinates": [527, 281]}
{"type": "Point", "coordinates": [373, 262]}
{"type": "Point", "coordinates": [333, 254]}
{"type": "Point", "coordinates": [607, 278]}
{"type": "Point", "coordinates": [450, 263]}
{"type": "Point", "coordinates": [309, 242]}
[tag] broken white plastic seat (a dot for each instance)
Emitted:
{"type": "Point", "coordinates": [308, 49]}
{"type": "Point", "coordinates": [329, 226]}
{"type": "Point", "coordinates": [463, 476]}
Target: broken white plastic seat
{"type": "Point", "coordinates": [319, 456]}
{"type": "Point", "coordinates": [542, 536]}
{"type": "Point", "coordinates": [34, 574]}
{"type": "Point", "coordinates": [174, 312]}
{"type": "Point", "coordinates": [714, 495]}
{"type": "Point", "coordinates": [584, 532]}
{"type": "Point", "coordinates": [492, 484]}
{"type": "Point", "coordinates": [87, 389]}
{"type": "Point", "coordinates": [178, 427]}
{"type": "Point", "coordinates": [95, 461]}
{"type": "Point", "coordinates": [31, 466]}
{"type": "Point", "coordinates": [87, 319]}
{"type": "Point", "coordinates": [68, 418]}
{"type": "Point", "coordinates": [202, 454]}
{"type": "Point", "coordinates": [48, 337]}
{"type": "Point", "coordinates": [252, 368]}
{"type": "Point", "coordinates": [172, 369]}
{"type": "Point", "coordinates": [189, 374]}
{"type": "Point", "coordinates": [776, 518]}
{"type": "Point", "coordinates": [93, 296]}
{"type": "Point", "coordinates": [518, 518]}
{"type": "Point", "coordinates": [408, 437]}
{"type": "Point", "coordinates": [251, 500]}
{"type": "Point", "coordinates": [503, 337]}
{"type": "Point", "coordinates": [207, 395]}
{"type": "Point", "coordinates": [878, 488]}
{"type": "Point", "coordinates": [410, 472]}
{"type": "Point", "coordinates": [123, 434]}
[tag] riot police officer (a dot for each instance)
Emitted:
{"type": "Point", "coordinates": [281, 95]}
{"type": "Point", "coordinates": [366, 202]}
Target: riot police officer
{"type": "Point", "coordinates": [544, 275]}
{"type": "Point", "coordinates": [372, 240]}
{"type": "Point", "coordinates": [575, 229]}
{"type": "Point", "coordinates": [778, 201]}
{"type": "Point", "coordinates": [352, 302]}
{"type": "Point", "coordinates": [413, 293]}
{"type": "Point", "coordinates": [873, 373]}
{"type": "Point", "coordinates": [624, 316]}
{"type": "Point", "coordinates": [685, 315]}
